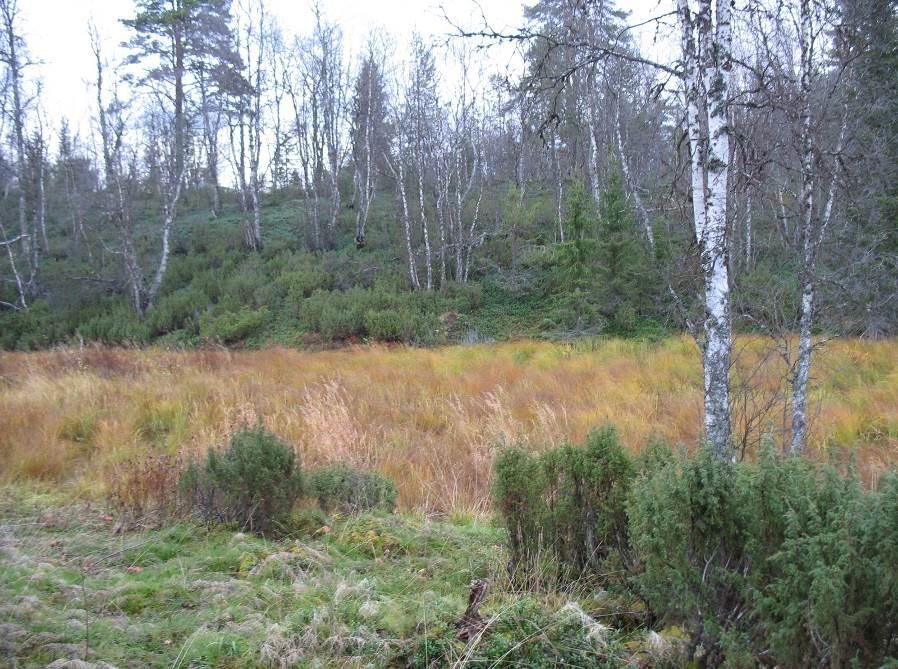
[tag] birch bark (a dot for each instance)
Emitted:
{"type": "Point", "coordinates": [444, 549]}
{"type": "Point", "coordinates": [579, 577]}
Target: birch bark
{"type": "Point", "coordinates": [706, 45]}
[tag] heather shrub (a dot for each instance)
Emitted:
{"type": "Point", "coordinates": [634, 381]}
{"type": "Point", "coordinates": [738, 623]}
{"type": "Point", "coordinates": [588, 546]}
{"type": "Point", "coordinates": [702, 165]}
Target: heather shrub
{"type": "Point", "coordinates": [392, 325]}
{"type": "Point", "coordinates": [254, 482]}
{"type": "Point", "coordinates": [118, 325]}
{"type": "Point", "coordinates": [180, 309]}
{"type": "Point", "coordinates": [350, 490]}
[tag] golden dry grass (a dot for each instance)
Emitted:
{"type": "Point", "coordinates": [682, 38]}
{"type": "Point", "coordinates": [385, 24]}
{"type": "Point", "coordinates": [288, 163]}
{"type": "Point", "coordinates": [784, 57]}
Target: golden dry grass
{"type": "Point", "coordinates": [429, 419]}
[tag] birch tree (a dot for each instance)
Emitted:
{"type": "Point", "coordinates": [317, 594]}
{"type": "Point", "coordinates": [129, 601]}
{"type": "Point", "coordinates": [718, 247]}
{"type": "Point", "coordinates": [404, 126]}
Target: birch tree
{"type": "Point", "coordinates": [422, 110]}
{"type": "Point", "coordinates": [369, 136]}
{"type": "Point", "coordinates": [816, 199]}
{"type": "Point", "coordinates": [246, 118]}
{"type": "Point", "coordinates": [318, 97]}
{"type": "Point", "coordinates": [174, 36]}
{"type": "Point", "coordinates": [706, 42]}
{"type": "Point", "coordinates": [396, 159]}
{"type": "Point", "coordinates": [118, 195]}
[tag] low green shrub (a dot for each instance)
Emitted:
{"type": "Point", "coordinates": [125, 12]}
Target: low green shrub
{"type": "Point", "coordinates": [341, 320]}
{"type": "Point", "coordinates": [27, 329]}
{"type": "Point", "coordinates": [177, 310]}
{"type": "Point", "coordinates": [118, 325]}
{"type": "Point", "coordinates": [391, 325]}
{"type": "Point", "coordinates": [296, 284]}
{"type": "Point", "coordinates": [831, 596]}
{"type": "Point", "coordinates": [233, 326]}
{"type": "Point", "coordinates": [567, 506]}
{"type": "Point", "coordinates": [254, 482]}
{"type": "Point", "coordinates": [350, 490]}
{"type": "Point", "coordinates": [774, 559]}
{"type": "Point", "coordinates": [777, 559]}
{"type": "Point", "coordinates": [692, 526]}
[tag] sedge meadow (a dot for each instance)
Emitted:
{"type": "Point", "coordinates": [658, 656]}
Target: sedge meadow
{"type": "Point", "coordinates": [430, 419]}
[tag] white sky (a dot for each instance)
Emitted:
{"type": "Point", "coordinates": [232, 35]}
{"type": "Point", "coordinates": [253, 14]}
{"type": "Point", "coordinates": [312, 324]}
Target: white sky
{"type": "Point", "coordinates": [56, 34]}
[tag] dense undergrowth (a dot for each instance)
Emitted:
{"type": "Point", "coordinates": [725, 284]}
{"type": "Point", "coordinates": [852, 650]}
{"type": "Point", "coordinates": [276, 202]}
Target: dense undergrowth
{"type": "Point", "coordinates": [216, 292]}
{"type": "Point", "coordinates": [774, 560]}
{"type": "Point", "coordinates": [161, 584]}
{"type": "Point", "coordinates": [604, 560]}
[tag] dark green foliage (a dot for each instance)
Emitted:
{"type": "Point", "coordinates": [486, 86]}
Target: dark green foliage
{"type": "Point", "coordinates": [518, 493]}
{"type": "Point", "coordinates": [603, 279]}
{"type": "Point", "coordinates": [380, 313]}
{"type": "Point", "coordinates": [628, 278]}
{"type": "Point", "coordinates": [693, 528]}
{"type": "Point", "coordinates": [254, 482]}
{"type": "Point", "coordinates": [350, 490]}
{"type": "Point", "coordinates": [773, 557]}
{"type": "Point", "coordinates": [118, 325]}
{"type": "Point", "coordinates": [215, 291]}
{"type": "Point", "coordinates": [233, 326]}
{"type": "Point", "coordinates": [27, 330]}
{"type": "Point", "coordinates": [180, 309]}
{"type": "Point", "coordinates": [566, 506]}
{"type": "Point", "coordinates": [833, 589]}
{"type": "Point", "coordinates": [777, 558]}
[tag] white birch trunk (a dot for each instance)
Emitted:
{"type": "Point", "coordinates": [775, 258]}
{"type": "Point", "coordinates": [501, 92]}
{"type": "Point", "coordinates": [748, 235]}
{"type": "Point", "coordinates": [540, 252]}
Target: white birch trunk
{"type": "Point", "coordinates": [171, 208]}
{"type": "Point", "coordinates": [399, 175]}
{"type": "Point", "coordinates": [748, 228]}
{"type": "Point", "coordinates": [812, 232]}
{"type": "Point", "coordinates": [20, 287]}
{"type": "Point", "coordinates": [427, 251]}
{"type": "Point", "coordinates": [709, 46]}
{"type": "Point", "coordinates": [631, 185]}
{"type": "Point", "coordinates": [809, 243]}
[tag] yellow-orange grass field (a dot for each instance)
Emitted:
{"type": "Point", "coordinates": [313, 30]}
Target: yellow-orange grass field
{"type": "Point", "coordinates": [429, 419]}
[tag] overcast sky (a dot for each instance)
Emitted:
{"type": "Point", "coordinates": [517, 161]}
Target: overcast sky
{"type": "Point", "coordinates": [56, 33]}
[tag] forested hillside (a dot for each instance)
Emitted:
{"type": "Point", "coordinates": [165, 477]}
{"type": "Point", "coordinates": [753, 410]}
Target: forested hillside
{"type": "Point", "coordinates": [245, 183]}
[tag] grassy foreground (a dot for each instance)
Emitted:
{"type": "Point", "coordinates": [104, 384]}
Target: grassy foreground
{"type": "Point", "coordinates": [366, 592]}
{"type": "Point", "coordinates": [427, 418]}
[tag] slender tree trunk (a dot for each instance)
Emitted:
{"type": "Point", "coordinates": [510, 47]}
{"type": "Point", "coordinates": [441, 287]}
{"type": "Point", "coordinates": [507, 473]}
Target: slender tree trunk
{"type": "Point", "coordinates": [428, 255]}
{"type": "Point", "coordinates": [594, 154]}
{"type": "Point", "coordinates": [114, 195]}
{"type": "Point", "coordinates": [171, 208]}
{"type": "Point", "coordinates": [709, 96]}
{"type": "Point", "coordinates": [28, 243]}
{"type": "Point", "coordinates": [471, 244]}
{"type": "Point", "coordinates": [813, 228]}
{"type": "Point", "coordinates": [20, 286]}
{"type": "Point", "coordinates": [748, 228]}
{"type": "Point", "coordinates": [366, 192]}
{"type": "Point", "coordinates": [631, 185]}
{"type": "Point", "coordinates": [559, 191]}
{"type": "Point", "coordinates": [442, 188]}
{"type": "Point", "coordinates": [42, 198]}
{"type": "Point", "coordinates": [399, 175]}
